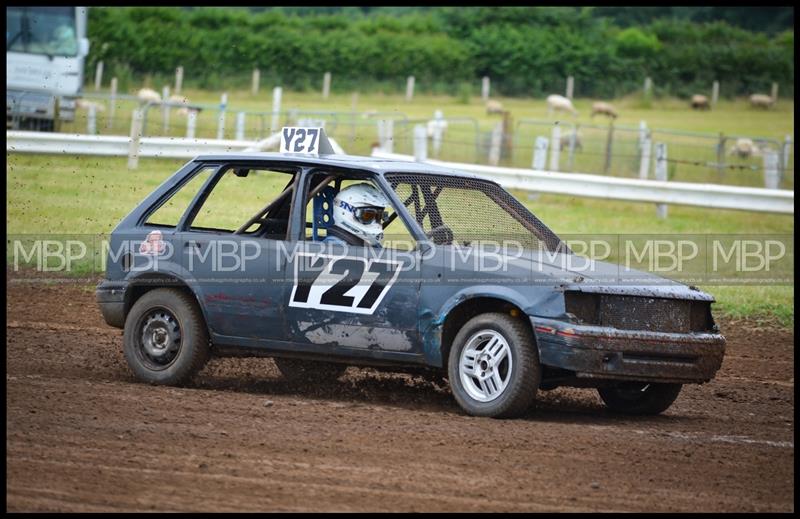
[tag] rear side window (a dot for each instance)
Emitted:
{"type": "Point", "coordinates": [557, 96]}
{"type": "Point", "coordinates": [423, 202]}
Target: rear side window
{"type": "Point", "coordinates": [171, 211]}
{"type": "Point", "coordinates": [241, 194]}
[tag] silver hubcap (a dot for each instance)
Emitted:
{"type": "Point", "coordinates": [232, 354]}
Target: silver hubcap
{"type": "Point", "coordinates": [485, 365]}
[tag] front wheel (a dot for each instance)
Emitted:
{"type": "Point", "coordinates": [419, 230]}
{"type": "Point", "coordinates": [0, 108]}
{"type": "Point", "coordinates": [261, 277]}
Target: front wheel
{"type": "Point", "coordinates": [494, 366]}
{"type": "Point", "coordinates": [642, 398]}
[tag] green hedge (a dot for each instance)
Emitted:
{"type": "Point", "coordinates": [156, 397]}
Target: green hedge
{"type": "Point", "coordinates": [525, 50]}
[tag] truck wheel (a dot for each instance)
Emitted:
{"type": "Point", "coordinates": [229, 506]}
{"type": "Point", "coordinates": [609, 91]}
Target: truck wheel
{"type": "Point", "coordinates": [165, 338]}
{"type": "Point", "coordinates": [299, 370]}
{"type": "Point", "coordinates": [642, 398]}
{"type": "Point", "coordinates": [494, 366]}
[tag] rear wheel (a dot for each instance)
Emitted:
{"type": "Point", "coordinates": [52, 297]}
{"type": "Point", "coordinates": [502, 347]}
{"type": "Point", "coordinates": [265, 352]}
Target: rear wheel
{"type": "Point", "coordinates": [642, 398]}
{"type": "Point", "coordinates": [494, 366]}
{"type": "Point", "coordinates": [165, 337]}
{"type": "Point", "coordinates": [299, 370]}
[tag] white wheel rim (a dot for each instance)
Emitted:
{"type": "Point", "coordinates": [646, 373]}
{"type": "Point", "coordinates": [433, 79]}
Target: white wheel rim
{"type": "Point", "coordinates": [485, 366]}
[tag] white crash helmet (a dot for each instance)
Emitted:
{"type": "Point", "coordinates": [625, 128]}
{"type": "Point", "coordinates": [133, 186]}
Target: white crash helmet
{"type": "Point", "coordinates": [359, 209]}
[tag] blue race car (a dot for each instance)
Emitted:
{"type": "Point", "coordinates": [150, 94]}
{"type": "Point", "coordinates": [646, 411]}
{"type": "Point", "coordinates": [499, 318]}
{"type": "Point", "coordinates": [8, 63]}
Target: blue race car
{"type": "Point", "coordinates": [321, 261]}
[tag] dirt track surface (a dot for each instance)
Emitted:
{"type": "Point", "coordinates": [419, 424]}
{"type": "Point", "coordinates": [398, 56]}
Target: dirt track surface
{"type": "Point", "coordinates": [82, 435]}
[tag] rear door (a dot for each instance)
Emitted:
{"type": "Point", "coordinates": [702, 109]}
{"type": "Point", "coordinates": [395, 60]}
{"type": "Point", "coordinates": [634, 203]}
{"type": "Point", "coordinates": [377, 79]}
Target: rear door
{"type": "Point", "coordinates": [239, 275]}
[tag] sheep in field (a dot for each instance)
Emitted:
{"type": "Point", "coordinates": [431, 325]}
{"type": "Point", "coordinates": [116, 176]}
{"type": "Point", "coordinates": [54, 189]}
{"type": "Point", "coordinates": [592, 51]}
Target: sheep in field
{"type": "Point", "coordinates": [602, 108]}
{"type": "Point", "coordinates": [85, 105]}
{"type": "Point", "coordinates": [700, 102]}
{"type": "Point", "coordinates": [564, 142]}
{"type": "Point", "coordinates": [494, 107]}
{"type": "Point", "coordinates": [559, 103]}
{"type": "Point", "coordinates": [148, 95]}
{"type": "Point", "coordinates": [744, 148]}
{"type": "Point", "coordinates": [761, 101]}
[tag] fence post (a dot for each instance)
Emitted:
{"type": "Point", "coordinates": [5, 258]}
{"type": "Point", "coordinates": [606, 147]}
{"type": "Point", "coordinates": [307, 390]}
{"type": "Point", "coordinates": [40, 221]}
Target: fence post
{"type": "Point", "coordinates": [276, 108]}
{"type": "Point", "coordinates": [573, 138]}
{"type": "Point", "coordinates": [714, 93]}
{"type": "Point", "coordinates": [112, 103]}
{"type": "Point", "coordinates": [165, 108]}
{"type": "Point", "coordinates": [774, 94]}
{"type": "Point", "coordinates": [91, 120]}
{"type": "Point", "coordinates": [178, 80]}
{"type": "Point", "coordinates": [485, 86]}
{"type": "Point", "coordinates": [379, 126]}
{"type": "Point", "coordinates": [136, 135]}
{"type": "Point", "coordinates": [721, 158]}
{"type": "Point", "coordinates": [388, 136]}
{"type": "Point", "coordinates": [648, 87]}
{"type": "Point", "coordinates": [191, 123]}
{"type": "Point", "coordinates": [609, 140]}
{"type": "Point", "coordinates": [256, 81]}
{"type": "Point", "coordinates": [661, 174]}
{"type": "Point", "coordinates": [240, 126]}
{"type": "Point", "coordinates": [223, 105]}
{"type": "Point", "coordinates": [643, 134]}
{"type": "Point", "coordinates": [410, 88]}
{"type": "Point", "coordinates": [98, 76]}
{"type": "Point", "coordinates": [555, 149]}
{"type": "Point", "coordinates": [437, 132]}
{"type": "Point", "coordinates": [787, 149]}
{"type": "Point", "coordinates": [771, 169]}
{"type": "Point", "coordinates": [326, 85]}
{"type": "Point", "coordinates": [570, 86]}
{"type": "Point", "coordinates": [420, 143]}
{"type": "Point", "coordinates": [644, 165]}
{"type": "Point", "coordinates": [494, 147]}
{"type": "Point", "coordinates": [540, 153]}
{"type": "Point", "coordinates": [57, 113]}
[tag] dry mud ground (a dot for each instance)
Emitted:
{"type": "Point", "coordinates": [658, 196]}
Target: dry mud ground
{"type": "Point", "coordinates": [82, 435]}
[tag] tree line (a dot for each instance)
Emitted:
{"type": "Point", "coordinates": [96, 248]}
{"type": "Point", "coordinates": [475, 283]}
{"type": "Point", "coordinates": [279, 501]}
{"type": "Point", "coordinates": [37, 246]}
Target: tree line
{"type": "Point", "coordinates": [526, 51]}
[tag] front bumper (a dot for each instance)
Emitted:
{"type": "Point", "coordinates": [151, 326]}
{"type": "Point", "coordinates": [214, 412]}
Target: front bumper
{"type": "Point", "coordinates": [609, 353]}
{"type": "Point", "coordinates": [110, 296]}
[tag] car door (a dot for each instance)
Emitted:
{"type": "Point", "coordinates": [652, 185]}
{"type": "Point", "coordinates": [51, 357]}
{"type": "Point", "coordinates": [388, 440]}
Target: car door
{"type": "Point", "coordinates": [240, 275]}
{"type": "Point", "coordinates": [348, 299]}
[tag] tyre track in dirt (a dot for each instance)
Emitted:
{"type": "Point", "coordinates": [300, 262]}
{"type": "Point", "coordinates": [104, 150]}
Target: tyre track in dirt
{"type": "Point", "coordinates": [82, 435]}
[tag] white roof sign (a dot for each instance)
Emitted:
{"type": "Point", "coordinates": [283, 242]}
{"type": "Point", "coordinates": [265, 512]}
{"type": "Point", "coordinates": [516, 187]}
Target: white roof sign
{"type": "Point", "coordinates": [305, 141]}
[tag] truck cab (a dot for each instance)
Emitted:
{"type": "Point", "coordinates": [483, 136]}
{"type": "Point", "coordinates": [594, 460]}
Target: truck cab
{"type": "Point", "coordinates": [46, 48]}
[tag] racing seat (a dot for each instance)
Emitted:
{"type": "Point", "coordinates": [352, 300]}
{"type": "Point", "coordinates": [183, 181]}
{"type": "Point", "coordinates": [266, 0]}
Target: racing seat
{"type": "Point", "coordinates": [322, 211]}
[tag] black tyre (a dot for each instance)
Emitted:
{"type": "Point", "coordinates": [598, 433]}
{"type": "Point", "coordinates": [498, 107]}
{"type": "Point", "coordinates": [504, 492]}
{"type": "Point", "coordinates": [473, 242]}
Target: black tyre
{"type": "Point", "coordinates": [493, 367]}
{"type": "Point", "coordinates": [300, 370]}
{"type": "Point", "coordinates": [642, 398]}
{"type": "Point", "coordinates": [165, 338]}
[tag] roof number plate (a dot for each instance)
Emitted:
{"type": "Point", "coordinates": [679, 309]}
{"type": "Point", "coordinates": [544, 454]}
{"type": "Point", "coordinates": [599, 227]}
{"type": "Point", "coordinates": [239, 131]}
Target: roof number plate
{"type": "Point", "coordinates": [305, 141]}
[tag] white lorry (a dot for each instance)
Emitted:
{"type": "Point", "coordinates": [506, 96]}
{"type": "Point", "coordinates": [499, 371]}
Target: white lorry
{"type": "Point", "coordinates": [45, 52]}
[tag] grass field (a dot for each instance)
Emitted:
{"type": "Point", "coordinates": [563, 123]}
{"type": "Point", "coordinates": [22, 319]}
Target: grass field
{"type": "Point", "coordinates": [89, 195]}
{"type": "Point", "coordinates": [467, 137]}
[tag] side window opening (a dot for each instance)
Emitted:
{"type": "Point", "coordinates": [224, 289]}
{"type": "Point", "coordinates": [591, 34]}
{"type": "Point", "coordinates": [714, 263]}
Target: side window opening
{"type": "Point", "coordinates": [171, 211]}
{"type": "Point", "coordinates": [322, 189]}
{"type": "Point", "coordinates": [240, 196]}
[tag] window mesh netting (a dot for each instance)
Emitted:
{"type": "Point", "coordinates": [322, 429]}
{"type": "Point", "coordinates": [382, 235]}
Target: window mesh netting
{"type": "Point", "coordinates": [462, 211]}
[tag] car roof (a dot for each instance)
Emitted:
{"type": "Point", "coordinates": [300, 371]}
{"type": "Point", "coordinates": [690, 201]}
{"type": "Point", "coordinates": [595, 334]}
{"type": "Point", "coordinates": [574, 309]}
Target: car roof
{"type": "Point", "coordinates": [375, 165]}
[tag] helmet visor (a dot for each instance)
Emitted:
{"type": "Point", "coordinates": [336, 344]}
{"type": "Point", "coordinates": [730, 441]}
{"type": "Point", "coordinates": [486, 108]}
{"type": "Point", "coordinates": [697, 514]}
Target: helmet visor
{"type": "Point", "coordinates": [368, 215]}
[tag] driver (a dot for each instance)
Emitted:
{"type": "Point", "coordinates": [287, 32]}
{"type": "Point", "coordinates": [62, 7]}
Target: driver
{"type": "Point", "coordinates": [358, 215]}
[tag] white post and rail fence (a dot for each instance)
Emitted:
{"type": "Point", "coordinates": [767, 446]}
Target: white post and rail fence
{"type": "Point", "coordinates": [659, 191]}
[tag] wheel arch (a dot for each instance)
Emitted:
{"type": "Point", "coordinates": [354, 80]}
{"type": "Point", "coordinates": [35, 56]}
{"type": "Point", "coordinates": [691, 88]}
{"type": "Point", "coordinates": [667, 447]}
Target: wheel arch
{"type": "Point", "coordinates": [460, 313]}
{"type": "Point", "coordinates": [146, 282]}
